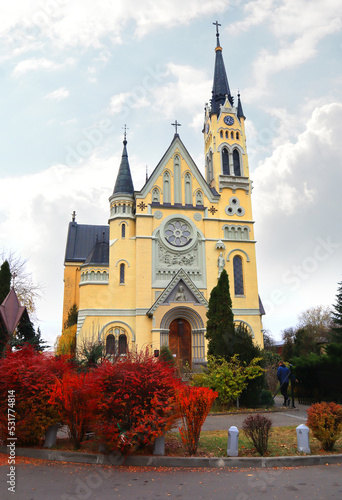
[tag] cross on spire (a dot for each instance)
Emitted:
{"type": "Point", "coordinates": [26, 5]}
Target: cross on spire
{"type": "Point", "coordinates": [176, 125]}
{"type": "Point", "coordinates": [73, 215]}
{"type": "Point", "coordinates": [217, 24]}
{"type": "Point", "coordinates": [125, 132]}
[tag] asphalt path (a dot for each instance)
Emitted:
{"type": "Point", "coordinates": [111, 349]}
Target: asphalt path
{"type": "Point", "coordinates": [280, 417]}
{"type": "Point", "coordinates": [65, 481]}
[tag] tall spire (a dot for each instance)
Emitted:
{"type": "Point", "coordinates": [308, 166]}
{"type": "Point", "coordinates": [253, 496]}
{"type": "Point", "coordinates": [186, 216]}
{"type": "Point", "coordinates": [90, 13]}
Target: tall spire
{"type": "Point", "coordinates": [220, 85]}
{"type": "Point", "coordinates": [124, 183]}
{"type": "Point", "coordinates": [239, 108]}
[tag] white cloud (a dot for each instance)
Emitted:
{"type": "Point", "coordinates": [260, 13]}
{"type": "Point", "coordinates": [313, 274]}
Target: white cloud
{"type": "Point", "coordinates": [85, 23]}
{"type": "Point", "coordinates": [58, 94]}
{"type": "Point", "coordinates": [297, 29]}
{"type": "Point", "coordinates": [42, 63]}
{"type": "Point", "coordinates": [187, 92]}
{"type": "Point", "coordinates": [296, 206]}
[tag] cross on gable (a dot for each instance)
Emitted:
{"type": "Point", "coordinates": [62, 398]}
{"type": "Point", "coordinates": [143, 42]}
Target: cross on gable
{"type": "Point", "coordinates": [176, 125]}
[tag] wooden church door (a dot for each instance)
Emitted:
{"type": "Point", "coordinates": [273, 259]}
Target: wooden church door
{"type": "Point", "coordinates": [180, 340]}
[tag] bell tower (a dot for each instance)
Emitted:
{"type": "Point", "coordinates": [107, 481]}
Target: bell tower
{"type": "Point", "coordinates": [227, 174]}
{"type": "Point", "coordinates": [226, 161]}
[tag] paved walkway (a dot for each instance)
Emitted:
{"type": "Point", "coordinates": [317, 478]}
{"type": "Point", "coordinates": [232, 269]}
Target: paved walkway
{"type": "Point", "coordinates": [280, 418]}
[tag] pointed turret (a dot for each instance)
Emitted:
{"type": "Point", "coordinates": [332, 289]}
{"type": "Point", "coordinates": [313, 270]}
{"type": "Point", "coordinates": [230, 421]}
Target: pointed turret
{"type": "Point", "coordinates": [124, 183]}
{"type": "Point", "coordinates": [239, 109]}
{"type": "Point", "coordinates": [220, 85]}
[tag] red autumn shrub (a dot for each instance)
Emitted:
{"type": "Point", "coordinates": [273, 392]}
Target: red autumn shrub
{"type": "Point", "coordinates": [134, 401]}
{"type": "Point", "coordinates": [71, 395]}
{"type": "Point", "coordinates": [325, 422]}
{"type": "Point", "coordinates": [27, 376]}
{"type": "Point", "coordinates": [257, 429]}
{"type": "Point", "coordinates": [194, 405]}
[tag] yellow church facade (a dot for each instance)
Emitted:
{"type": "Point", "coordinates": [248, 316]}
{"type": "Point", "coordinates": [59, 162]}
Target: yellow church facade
{"type": "Point", "coordinates": [144, 279]}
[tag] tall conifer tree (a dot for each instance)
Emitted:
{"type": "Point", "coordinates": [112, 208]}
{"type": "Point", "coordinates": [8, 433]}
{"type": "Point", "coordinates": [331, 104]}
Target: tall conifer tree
{"type": "Point", "coordinates": [220, 324]}
{"type": "Point", "coordinates": [336, 333]}
{"type": "Point", "coordinates": [5, 281]}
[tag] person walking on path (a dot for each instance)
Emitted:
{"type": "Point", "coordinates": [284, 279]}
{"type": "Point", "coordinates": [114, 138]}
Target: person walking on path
{"type": "Point", "coordinates": [284, 376]}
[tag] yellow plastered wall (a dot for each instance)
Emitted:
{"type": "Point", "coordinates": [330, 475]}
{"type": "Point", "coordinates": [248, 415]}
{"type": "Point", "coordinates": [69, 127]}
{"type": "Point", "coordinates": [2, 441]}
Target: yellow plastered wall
{"type": "Point", "coordinates": [72, 275]}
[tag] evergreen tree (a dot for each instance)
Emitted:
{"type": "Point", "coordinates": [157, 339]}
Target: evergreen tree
{"type": "Point", "coordinates": [5, 281]}
{"type": "Point", "coordinates": [244, 345]}
{"type": "Point", "coordinates": [220, 324]}
{"type": "Point", "coordinates": [336, 330]}
{"type": "Point", "coordinates": [72, 317]}
{"type": "Point", "coordinates": [26, 334]}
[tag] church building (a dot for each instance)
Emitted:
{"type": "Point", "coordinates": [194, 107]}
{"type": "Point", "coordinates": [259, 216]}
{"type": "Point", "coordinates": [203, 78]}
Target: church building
{"type": "Point", "coordinates": [144, 279]}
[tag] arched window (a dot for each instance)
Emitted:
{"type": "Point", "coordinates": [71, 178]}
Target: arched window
{"type": "Point", "coordinates": [177, 182]}
{"type": "Point", "coordinates": [155, 195]}
{"type": "Point", "coordinates": [236, 162]}
{"type": "Point", "coordinates": [232, 135]}
{"type": "Point", "coordinates": [124, 208]}
{"type": "Point", "coordinates": [210, 167]}
{"type": "Point", "coordinates": [226, 134]}
{"type": "Point", "coordinates": [122, 273]}
{"type": "Point", "coordinates": [187, 188]}
{"type": "Point", "coordinates": [110, 344]}
{"type": "Point", "coordinates": [225, 161]}
{"type": "Point", "coordinates": [221, 134]}
{"type": "Point", "coordinates": [166, 188]}
{"type": "Point", "coordinates": [237, 135]}
{"type": "Point", "coordinates": [122, 344]}
{"type": "Point", "coordinates": [123, 230]}
{"type": "Point", "coordinates": [238, 275]}
{"type": "Point", "coordinates": [199, 198]}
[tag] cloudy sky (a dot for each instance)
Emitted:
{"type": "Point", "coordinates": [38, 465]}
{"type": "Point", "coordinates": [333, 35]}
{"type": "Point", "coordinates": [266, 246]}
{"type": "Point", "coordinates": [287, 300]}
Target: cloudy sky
{"type": "Point", "coordinates": [74, 72]}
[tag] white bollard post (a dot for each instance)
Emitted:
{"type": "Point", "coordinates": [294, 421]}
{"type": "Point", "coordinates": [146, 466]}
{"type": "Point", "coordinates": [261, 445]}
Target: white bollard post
{"type": "Point", "coordinates": [233, 442]}
{"type": "Point", "coordinates": [303, 444]}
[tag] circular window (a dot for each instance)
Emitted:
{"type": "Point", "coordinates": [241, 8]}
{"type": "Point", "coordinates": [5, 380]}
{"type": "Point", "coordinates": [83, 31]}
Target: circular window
{"type": "Point", "coordinates": [178, 233]}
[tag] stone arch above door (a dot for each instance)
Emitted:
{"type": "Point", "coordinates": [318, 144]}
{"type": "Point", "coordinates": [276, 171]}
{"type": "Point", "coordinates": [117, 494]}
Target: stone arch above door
{"type": "Point", "coordinates": [197, 330]}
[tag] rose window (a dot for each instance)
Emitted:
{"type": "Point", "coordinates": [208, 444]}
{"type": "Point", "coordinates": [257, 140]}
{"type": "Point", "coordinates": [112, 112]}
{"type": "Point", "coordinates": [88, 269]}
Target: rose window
{"type": "Point", "coordinates": [178, 233]}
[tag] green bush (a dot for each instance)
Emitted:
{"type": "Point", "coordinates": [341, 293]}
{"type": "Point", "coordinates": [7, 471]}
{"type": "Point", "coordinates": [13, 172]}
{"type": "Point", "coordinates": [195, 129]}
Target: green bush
{"type": "Point", "coordinates": [266, 398]}
{"type": "Point", "coordinates": [228, 378]}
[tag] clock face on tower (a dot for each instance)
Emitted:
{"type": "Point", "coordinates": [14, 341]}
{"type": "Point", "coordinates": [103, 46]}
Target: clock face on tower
{"type": "Point", "coordinates": [228, 120]}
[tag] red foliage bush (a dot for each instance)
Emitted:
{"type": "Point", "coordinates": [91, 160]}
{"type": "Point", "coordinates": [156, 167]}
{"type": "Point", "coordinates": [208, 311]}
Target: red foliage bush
{"type": "Point", "coordinates": [194, 405]}
{"type": "Point", "coordinates": [257, 429]}
{"type": "Point", "coordinates": [71, 395]}
{"type": "Point", "coordinates": [325, 422]}
{"type": "Point", "coordinates": [134, 401]}
{"type": "Point", "coordinates": [28, 376]}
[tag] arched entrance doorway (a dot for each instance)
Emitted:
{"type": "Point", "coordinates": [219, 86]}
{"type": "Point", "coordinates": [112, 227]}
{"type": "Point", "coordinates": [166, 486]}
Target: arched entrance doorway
{"type": "Point", "coordinates": [180, 340]}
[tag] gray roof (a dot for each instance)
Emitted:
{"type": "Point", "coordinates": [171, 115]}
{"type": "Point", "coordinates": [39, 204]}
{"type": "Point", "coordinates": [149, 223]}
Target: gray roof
{"type": "Point", "coordinates": [239, 109]}
{"type": "Point", "coordinates": [124, 183]}
{"type": "Point", "coordinates": [82, 239]}
{"type": "Point", "coordinates": [99, 254]}
{"type": "Point", "coordinates": [220, 84]}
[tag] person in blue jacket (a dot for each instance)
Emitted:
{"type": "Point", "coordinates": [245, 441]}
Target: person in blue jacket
{"type": "Point", "coordinates": [284, 376]}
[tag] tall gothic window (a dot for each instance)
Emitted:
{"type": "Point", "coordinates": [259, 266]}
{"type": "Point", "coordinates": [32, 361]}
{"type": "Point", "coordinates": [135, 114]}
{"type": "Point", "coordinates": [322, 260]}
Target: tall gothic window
{"type": "Point", "coordinates": [187, 186]}
{"type": "Point", "coordinates": [110, 344]}
{"type": "Point", "coordinates": [238, 275]}
{"type": "Point", "coordinates": [236, 162]}
{"type": "Point", "coordinates": [177, 180]}
{"type": "Point", "coordinates": [122, 273]}
{"type": "Point", "coordinates": [122, 344]}
{"type": "Point", "coordinates": [123, 231]}
{"type": "Point", "coordinates": [166, 188]}
{"type": "Point", "coordinates": [225, 161]}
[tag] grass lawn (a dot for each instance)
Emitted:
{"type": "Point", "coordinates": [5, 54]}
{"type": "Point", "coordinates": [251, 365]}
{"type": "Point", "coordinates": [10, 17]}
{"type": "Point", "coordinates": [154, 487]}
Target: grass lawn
{"type": "Point", "coordinates": [282, 442]}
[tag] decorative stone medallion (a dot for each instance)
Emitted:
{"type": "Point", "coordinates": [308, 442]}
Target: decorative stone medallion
{"type": "Point", "coordinates": [198, 216]}
{"type": "Point", "coordinates": [158, 214]}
